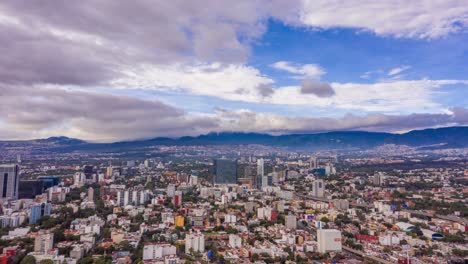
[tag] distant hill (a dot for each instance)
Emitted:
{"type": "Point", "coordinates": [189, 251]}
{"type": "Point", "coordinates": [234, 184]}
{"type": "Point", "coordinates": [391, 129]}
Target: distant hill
{"type": "Point", "coordinates": [448, 137]}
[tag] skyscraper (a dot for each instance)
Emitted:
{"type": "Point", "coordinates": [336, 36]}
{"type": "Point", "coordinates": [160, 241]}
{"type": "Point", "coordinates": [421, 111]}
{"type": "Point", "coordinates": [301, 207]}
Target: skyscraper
{"type": "Point", "coordinates": [90, 194]}
{"type": "Point", "coordinates": [30, 188]}
{"type": "Point", "coordinates": [39, 210]}
{"type": "Point", "coordinates": [260, 168]}
{"type": "Point", "coordinates": [318, 188]}
{"type": "Point", "coordinates": [225, 171]}
{"type": "Point", "coordinates": [9, 181]}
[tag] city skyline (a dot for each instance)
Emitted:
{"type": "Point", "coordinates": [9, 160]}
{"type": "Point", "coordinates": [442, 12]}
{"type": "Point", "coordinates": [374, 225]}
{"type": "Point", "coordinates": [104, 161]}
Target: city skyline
{"type": "Point", "coordinates": [108, 72]}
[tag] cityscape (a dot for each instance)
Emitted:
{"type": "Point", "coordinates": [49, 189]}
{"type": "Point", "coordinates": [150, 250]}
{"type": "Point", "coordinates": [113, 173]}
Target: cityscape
{"type": "Point", "coordinates": [226, 132]}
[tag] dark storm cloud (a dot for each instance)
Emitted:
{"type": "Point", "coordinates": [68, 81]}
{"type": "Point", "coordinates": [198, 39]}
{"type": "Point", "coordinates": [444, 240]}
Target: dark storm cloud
{"type": "Point", "coordinates": [94, 116]}
{"type": "Point", "coordinates": [317, 88]}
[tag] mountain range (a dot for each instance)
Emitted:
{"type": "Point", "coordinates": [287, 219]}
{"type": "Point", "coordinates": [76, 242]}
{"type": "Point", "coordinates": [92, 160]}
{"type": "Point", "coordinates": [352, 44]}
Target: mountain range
{"type": "Point", "coordinates": [447, 137]}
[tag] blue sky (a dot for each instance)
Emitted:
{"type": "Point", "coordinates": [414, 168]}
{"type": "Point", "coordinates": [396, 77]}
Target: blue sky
{"type": "Point", "coordinates": [93, 71]}
{"type": "Point", "coordinates": [348, 56]}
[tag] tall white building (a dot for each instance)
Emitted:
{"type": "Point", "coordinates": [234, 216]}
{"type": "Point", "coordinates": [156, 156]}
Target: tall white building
{"type": "Point", "coordinates": [291, 221]}
{"type": "Point", "coordinates": [378, 179]}
{"type": "Point", "coordinates": [195, 242]}
{"type": "Point", "coordinates": [260, 168]}
{"type": "Point", "coordinates": [329, 240]}
{"type": "Point", "coordinates": [171, 188]}
{"type": "Point", "coordinates": [44, 242]}
{"type": "Point", "coordinates": [9, 181]}
{"type": "Point", "coordinates": [133, 197]}
{"type": "Point", "coordinates": [158, 251]}
{"type": "Point", "coordinates": [90, 194]}
{"type": "Point", "coordinates": [318, 188]}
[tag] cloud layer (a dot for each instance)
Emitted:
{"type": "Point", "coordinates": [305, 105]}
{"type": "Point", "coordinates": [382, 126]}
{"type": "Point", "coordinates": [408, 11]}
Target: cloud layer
{"type": "Point", "coordinates": [48, 111]}
{"type": "Point", "coordinates": [56, 55]}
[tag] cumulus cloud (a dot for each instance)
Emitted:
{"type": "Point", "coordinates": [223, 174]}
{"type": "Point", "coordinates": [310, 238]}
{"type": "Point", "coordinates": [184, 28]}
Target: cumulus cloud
{"type": "Point", "coordinates": [227, 81]}
{"type": "Point", "coordinates": [93, 42]}
{"type": "Point", "coordinates": [320, 89]}
{"type": "Point", "coordinates": [312, 71]}
{"type": "Point", "coordinates": [412, 19]}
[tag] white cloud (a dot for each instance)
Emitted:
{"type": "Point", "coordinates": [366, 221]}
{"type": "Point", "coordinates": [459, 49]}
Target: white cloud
{"type": "Point", "coordinates": [312, 71]}
{"type": "Point", "coordinates": [398, 70]}
{"type": "Point", "coordinates": [43, 111]}
{"type": "Point", "coordinates": [413, 19]}
{"type": "Point", "coordinates": [240, 83]}
{"type": "Point", "coordinates": [227, 81]}
{"type": "Point", "coordinates": [250, 121]}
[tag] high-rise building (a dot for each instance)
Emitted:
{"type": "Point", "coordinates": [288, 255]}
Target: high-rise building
{"type": "Point", "coordinates": [260, 167]}
{"type": "Point", "coordinates": [194, 242]}
{"type": "Point", "coordinates": [328, 240]}
{"type": "Point", "coordinates": [318, 188]}
{"type": "Point", "coordinates": [313, 163]}
{"type": "Point", "coordinates": [136, 196]}
{"type": "Point", "coordinates": [30, 188]}
{"type": "Point", "coordinates": [177, 200]}
{"type": "Point", "coordinates": [225, 171]}
{"type": "Point", "coordinates": [378, 179]}
{"type": "Point", "coordinates": [49, 181]}
{"type": "Point", "coordinates": [44, 241]}
{"type": "Point", "coordinates": [9, 181]}
{"type": "Point", "coordinates": [88, 170]}
{"type": "Point", "coordinates": [90, 194]}
{"type": "Point", "coordinates": [291, 221]}
{"type": "Point", "coordinates": [267, 181]}
{"type": "Point", "coordinates": [155, 251]}
{"type": "Point", "coordinates": [38, 211]}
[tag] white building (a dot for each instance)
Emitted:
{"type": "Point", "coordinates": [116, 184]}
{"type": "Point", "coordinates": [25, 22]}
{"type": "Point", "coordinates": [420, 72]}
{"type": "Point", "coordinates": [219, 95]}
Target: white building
{"type": "Point", "coordinates": [194, 242]}
{"type": "Point", "coordinates": [44, 242]}
{"type": "Point", "coordinates": [230, 218]}
{"type": "Point", "coordinates": [171, 188]}
{"type": "Point", "coordinates": [158, 251]}
{"type": "Point", "coordinates": [329, 240]}
{"type": "Point", "coordinates": [235, 241]}
{"type": "Point", "coordinates": [260, 168]}
{"type": "Point", "coordinates": [318, 188]}
{"type": "Point", "coordinates": [291, 221]}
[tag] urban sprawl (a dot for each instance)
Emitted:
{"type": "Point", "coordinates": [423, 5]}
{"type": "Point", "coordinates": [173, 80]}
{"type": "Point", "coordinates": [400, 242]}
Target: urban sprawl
{"type": "Point", "coordinates": [235, 204]}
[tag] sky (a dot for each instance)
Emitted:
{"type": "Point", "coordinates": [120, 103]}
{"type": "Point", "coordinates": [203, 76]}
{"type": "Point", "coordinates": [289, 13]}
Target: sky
{"type": "Point", "coordinates": [108, 70]}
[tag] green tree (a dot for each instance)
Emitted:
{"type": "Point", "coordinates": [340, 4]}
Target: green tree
{"type": "Point", "coordinates": [28, 260]}
{"type": "Point", "coordinates": [86, 260]}
{"type": "Point", "coordinates": [46, 261]}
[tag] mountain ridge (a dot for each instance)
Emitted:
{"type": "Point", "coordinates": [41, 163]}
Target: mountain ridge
{"type": "Point", "coordinates": [453, 137]}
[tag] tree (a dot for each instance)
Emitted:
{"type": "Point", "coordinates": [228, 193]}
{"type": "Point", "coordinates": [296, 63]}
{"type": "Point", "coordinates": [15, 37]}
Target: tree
{"type": "Point", "coordinates": [255, 257]}
{"type": "Point", "coordinates": [28, 260]}
{"type": "Point", "coordinates": [231, 230]}
{"type": "Point", "coordinates": [86, 260]}
{"type": "Point", "coordinates": [46, 261]}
